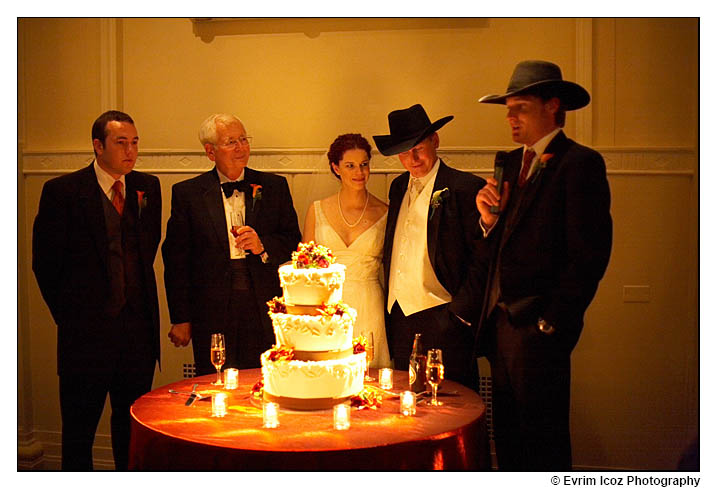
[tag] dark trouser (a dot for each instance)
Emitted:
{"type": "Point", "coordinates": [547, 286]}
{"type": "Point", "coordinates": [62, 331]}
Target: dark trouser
{"type": "Point", "coordinates": [439, 329]}
{"type": "Point", "coordinates": [126, 376]}
{"type": "Point", "coordinates": [245, 336]}
{"type": "Point", "coordinates": [531, 381]}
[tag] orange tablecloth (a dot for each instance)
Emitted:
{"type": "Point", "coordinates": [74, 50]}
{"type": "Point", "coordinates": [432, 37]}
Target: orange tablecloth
{"type": "Point", "coordinates": [167, 435]}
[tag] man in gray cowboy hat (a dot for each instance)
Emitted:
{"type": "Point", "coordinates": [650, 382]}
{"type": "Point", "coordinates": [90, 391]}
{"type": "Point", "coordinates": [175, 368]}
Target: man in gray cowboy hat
{"type": "Point", "coordinates": [550, 243]}
{"type": "Point", "coordinates": [428, 246]}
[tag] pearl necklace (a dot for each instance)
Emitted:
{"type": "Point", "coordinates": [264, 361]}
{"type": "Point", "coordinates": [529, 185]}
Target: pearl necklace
{"type": "Point", "coordinates": [339, 201]}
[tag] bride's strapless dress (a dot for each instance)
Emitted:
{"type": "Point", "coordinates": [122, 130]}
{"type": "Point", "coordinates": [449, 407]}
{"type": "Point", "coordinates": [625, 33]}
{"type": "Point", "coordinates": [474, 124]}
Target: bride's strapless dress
{"type": "Point", "coordinates": [362, 289]}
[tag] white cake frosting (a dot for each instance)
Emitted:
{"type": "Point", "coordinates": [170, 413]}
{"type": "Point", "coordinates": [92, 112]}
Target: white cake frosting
{"type": "Point", "coordinates": [312, 286]}
{"type": "Point", "coordinates": [313, 380]}
{"type": "Point", "coordinates": [314, 332]}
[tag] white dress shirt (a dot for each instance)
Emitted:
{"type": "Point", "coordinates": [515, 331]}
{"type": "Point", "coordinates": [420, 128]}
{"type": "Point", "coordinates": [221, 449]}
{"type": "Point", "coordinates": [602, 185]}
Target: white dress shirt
{"type": "Point", "coordinates": [106, 181]}
{"type": "Point", "coordinates": [233, 204]}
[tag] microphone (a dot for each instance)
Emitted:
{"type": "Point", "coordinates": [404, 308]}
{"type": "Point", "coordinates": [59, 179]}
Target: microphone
{"type": "Point", "coordinates": [499, 176]}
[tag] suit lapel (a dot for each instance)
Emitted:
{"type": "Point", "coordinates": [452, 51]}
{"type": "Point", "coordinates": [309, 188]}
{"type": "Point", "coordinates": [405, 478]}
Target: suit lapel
{"type": "Point", "coordinates": [250, 208]}
{"type": "Point", "coordinates": [212, 197]}
{"type": "Point", "coordinates": [537, 181]}
{"type": "Point", "coordinates": [90, 200]}
{"type": "Point", "coordinates": [432, 226]}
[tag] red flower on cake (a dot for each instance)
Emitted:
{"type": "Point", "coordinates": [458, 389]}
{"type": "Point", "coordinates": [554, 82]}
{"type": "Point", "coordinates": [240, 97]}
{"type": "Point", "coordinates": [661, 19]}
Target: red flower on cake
{"type": "Point", "coordinates": [280, 354]}
{"type": "Point", "coordinates": [359, 344]}
{"type": "Point", "coordinates": [258, 389]}
{"type": "Point", "coordinates": [309, 255]}
{"type": "Point", "coordinates": [277, 305]}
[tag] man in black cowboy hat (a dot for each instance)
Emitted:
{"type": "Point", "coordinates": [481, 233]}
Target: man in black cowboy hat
{"type": "Point", "coordinates": [550, 244]}
{"type": "Point", "coordinates": [428, 246]}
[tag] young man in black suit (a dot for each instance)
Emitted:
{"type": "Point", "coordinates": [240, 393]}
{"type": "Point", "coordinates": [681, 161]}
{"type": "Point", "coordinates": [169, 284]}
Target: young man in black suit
{"type": "Point", "coordinates": [95, 238]}
{"type": "Point", "coordinates": [550, 247]}
{"type": "Point", "coordinates": [217, 282]}
{"type": "Point", "coordinates": [428, 247]}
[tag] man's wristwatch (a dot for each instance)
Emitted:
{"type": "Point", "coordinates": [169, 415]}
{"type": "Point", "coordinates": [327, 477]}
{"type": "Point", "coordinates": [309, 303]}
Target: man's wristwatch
{"type": "Point", "coordinates": [264, 256]}
{"type": "Point", "coordinates": [544, 327]}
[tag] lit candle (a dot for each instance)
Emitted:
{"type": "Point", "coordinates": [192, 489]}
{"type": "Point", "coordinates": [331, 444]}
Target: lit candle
{"type": "Point", "coordinates": [408, 403]}
{"type": "Point", "coordinates": [386, 378]}
{"type": "Point", "coordinates": [270, 415]}
{"type": "Point", "coordinates": [341, 416]}
{"type": "Point", "coordinates": [219, 404]}
{"type": "Point", "coordinates": [231, 379]}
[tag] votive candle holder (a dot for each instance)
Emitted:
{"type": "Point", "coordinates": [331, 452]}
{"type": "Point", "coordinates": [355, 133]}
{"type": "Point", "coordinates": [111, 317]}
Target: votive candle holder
{"type": "Point", "coordinates": [342, 415]}
{"type": "Point", "coordinates": [231, 379]}
{"type": "Point", "coordinates": [386, 378]}
{"type": "Point", "coordinates": [407, 403]}
{"type": "Point", "coordinates": [270, 415]}
{"type": "Point", "coordinates": [219, 404]}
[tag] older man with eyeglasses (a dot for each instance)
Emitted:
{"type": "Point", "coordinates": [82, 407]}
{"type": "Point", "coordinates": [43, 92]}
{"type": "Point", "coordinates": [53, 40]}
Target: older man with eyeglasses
{"type": "Point", "coordinates": [228, 231]}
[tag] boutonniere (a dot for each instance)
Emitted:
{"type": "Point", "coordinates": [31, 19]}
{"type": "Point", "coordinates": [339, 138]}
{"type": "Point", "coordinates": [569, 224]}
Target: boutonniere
{"type": "Point", "coordinates": [436, 199]}
{"type": "Point", "coordinates": [543, 161]}
{"type": "Point", "coordinates": [141, 202]}
{"type": "Point", "coordinates": [256, 193]}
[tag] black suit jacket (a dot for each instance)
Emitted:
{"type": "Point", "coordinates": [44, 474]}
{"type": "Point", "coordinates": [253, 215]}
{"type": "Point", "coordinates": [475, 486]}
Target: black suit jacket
{"type": "Point", "coordinates": [70, 261]}
{"type": "Point", "coordinates": [555, 249]}
{"type": "Point", "coordinates": [449, 234]}
{"type": "Point", "coordinates": [196, 247]}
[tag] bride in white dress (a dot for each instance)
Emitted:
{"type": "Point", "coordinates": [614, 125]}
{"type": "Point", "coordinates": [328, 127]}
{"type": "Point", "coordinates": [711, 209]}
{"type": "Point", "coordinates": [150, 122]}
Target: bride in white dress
{"type": "Point", "coordinates": [352, 223]}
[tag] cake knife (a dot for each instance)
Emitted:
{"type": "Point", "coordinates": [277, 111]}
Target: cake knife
{"type": "Point", "coordinates": [192, 397]}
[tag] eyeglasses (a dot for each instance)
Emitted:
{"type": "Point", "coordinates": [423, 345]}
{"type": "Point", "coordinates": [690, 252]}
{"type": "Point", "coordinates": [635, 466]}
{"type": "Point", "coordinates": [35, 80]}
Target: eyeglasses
{"type": "Point", "coordinates": [241, 141]}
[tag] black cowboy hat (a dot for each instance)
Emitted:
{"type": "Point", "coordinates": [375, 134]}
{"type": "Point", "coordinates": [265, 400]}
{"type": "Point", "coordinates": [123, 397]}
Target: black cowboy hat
{"type": "Point", "coordinates": [408, 127]}
{"type": "Point", "coordinates": [542, 77]}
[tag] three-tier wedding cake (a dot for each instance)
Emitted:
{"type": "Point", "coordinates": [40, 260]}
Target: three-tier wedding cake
{"type": "Point", "coordinates": [314, 363]}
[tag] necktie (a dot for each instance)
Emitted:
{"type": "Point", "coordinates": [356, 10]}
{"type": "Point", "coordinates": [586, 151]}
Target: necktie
{"type": "Point", "coordinates": [415, 189]}
{"type": "Point", "coordinates": [529, 155]}
{"type": "Point", "coordinates": [229, 187]}
{"type": "Point", "coordinates": [117, 200]}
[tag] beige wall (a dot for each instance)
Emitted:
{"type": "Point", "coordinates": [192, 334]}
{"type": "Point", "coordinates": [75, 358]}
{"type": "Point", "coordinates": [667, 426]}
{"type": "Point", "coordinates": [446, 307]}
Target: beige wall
{"type": "Point", "coordinates": [298, 83]}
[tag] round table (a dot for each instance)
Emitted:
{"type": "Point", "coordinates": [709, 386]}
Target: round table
{"type": "Point", "coordinates": [167, 435]}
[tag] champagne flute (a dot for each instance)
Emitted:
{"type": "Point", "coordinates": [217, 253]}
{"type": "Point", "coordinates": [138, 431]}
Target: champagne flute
{"type": "Point", "coordinates": [217, 355]}
{"type": "Point", "coordinates": [237, 222]}
{"type": "Point", "coordinates": [434, 374]}
{"type": "Point", "coordinates": [369, 354]}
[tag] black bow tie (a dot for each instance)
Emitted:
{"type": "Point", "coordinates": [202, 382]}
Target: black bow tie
{"type": "Point", "coordinates": [229, 187]}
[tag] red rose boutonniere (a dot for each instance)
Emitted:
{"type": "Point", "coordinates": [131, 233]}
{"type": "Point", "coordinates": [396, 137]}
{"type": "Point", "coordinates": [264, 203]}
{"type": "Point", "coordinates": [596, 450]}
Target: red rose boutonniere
{"type": "Point", "coordinates": [141, 202]}
{"type": "Point", "coordinates": [543, 161]}
{"type": "Point", "coordinates": [256, 193]}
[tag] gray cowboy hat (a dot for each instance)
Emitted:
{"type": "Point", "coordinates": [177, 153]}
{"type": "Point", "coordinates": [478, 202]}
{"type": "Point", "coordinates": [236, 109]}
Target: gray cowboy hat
{"type": "Point", "coordinates": [542, 77]}
{"type": "Point", "coordinates": [408, 127]}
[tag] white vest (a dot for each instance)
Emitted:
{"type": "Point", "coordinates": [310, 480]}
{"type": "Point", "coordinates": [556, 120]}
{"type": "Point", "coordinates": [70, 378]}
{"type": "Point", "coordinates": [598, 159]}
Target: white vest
{"type": "Point", "coordinates": [412, 281]}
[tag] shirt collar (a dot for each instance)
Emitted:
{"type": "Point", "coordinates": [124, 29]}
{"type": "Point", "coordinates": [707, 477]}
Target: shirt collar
{"type": "Point", "coordinates": [427, 178]}
{"type": "Point", "coordinates": [106, 180]}
{"type": "Point", "coordinates": [223, 178]}
{"type": "Point", "coordinates": [540, 146]}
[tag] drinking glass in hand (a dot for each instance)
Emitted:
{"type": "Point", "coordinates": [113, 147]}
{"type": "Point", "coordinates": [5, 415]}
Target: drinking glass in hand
{"type": "Point", "coordinates": [237, 223]}
{"type": "Point", "coordinates": [217, 355]}
{"type": "Point", "coordinates": [369, 354]}
{"type": "Point", "coordinates": [434, 374]}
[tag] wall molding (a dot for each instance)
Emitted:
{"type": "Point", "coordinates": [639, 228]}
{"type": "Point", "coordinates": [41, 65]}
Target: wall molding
{"type": "Point", "coordinates": [619, 160]}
